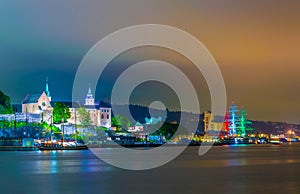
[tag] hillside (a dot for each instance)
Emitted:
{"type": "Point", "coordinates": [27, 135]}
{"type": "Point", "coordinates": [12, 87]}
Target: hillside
{"type": "Point", "coordinates": [140, 112]}
{"type": "Point", "coordinates": [5, 106]}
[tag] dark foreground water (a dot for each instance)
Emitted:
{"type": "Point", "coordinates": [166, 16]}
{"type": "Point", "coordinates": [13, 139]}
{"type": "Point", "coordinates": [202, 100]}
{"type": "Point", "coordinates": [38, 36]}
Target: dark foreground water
{"type": "Point", "coordinates": [245, 169]}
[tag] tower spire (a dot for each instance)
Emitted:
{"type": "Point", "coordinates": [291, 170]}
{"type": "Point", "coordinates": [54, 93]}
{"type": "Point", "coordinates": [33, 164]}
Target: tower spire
{"type": "Point", "coordinates": [89, 100]}
{"type": "Point", "coordinates": [90, 91]}
{"type": "Point", "coordinates": [47, 90]}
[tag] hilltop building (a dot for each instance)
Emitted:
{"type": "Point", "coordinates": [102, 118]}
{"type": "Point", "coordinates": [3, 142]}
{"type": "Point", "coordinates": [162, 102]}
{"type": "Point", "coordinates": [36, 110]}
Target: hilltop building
{"type": "Point", "coordinates": [37, 103]}
{"type": "Point", "coordinates": [212, 122]}
{"type": "Point", "coordinates": [100, 113]}
{"type": "Point", "coordinates": [42, 104]}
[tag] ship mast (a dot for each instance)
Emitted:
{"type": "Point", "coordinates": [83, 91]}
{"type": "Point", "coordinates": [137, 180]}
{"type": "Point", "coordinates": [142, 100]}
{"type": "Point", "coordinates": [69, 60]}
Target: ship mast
{"type": "Point", "coordinates": [75, 126]}
{"type": "Point", "coordinates": [234, 119]}
{"type": "Point", "coordinates": [244, 123]}
{"type": "Point", "coordinates": [63, 129]}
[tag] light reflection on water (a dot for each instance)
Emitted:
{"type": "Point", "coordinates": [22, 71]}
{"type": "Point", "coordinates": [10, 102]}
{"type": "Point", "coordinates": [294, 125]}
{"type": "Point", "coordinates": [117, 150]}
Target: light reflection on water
{"type": "Point", "coordinates": [247, 162]}
{"type": "Point", "coordinates": [246, 169]}
{"type": "Point", "coordinates": [54, 162]}
{"type": "Point", "coordinates": [240, 162]}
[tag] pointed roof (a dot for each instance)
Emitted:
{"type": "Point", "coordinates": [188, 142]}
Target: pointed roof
{"type": "Point", "coordinates": [138, 124]}
{"type": "Point", "coordinates": [89, 94]}
{"type": "Point", "coordinates": [47, 88]}
{"type": "Point", "coordinates": [31, 99]}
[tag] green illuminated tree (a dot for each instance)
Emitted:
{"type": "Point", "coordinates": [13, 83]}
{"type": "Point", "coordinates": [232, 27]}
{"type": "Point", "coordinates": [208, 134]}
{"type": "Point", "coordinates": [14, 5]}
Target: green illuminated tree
{"type": "Point", "coordinates": [60, 113]}
{"type": "Point", "coordinates": [120, 122]}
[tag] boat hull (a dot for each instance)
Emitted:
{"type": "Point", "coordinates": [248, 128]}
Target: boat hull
{"type": "Point", "coordinates": [234, 141]}
{"type": "Point", "coordinates": [83, 147]}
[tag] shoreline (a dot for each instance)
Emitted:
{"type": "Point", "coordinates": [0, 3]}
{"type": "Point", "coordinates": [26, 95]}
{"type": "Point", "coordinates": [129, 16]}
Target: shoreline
{"type": "Point", "coordinates": [36, 148]}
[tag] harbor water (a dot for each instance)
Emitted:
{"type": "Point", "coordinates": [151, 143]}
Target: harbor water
{"type": "Point", "coordinates": [224, 169]}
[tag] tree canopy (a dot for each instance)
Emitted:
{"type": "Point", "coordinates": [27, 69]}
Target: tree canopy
{"type": "Point", "coordinates": [120, 122]}
{"type": "Point", "coordinates": [60, 113]}
{"type": "Point", "coordinates": [168, 129]}
{"type": "Point", "coordinates": [84, 117]}
{"type": "Point", "coordinates": [5, 106]}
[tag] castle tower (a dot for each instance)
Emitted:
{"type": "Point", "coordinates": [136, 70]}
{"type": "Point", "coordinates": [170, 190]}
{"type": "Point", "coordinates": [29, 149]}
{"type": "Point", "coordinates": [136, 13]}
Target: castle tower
{"type": "Point", "coordinates": [89, 100]}
{"type": "Point", "coordinates": [47, 90]}
{"type": "Point", "coordinates": [207, 120]}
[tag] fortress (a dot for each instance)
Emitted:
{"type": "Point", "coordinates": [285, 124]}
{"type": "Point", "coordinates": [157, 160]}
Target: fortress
{"type": "Point", "coordinates": [42, 104]}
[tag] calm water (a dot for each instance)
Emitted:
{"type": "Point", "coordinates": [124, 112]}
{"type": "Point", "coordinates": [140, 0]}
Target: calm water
{"type": "Point", "coordinates": [248, 169]}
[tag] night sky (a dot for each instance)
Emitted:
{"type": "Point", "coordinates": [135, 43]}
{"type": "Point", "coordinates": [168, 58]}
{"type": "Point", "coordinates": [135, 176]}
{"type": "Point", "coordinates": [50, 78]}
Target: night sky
{"type": "Point", "coordinates": [255, 43]}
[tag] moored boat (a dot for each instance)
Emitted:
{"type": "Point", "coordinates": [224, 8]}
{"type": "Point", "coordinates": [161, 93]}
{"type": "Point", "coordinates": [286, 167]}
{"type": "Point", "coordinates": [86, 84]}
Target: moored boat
{"type": "Point", "coordinates": [234, 141]}
{"type": "Point", "coordinates": [56, 146]}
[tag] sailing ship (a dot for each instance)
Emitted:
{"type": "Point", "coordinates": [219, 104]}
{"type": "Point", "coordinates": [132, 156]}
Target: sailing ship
{"type": "Point", "coordinates": [62, 144]}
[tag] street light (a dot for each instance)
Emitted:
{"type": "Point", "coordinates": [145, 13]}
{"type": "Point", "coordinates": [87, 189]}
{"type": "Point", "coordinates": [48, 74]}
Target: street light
{"type": "Point", "coordinates": [15, 125]}
{"type": "Point", "coordinates": [51, 124]}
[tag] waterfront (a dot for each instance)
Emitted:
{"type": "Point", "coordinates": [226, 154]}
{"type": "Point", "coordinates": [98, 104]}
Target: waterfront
{"type": "Point", "coordinates": [225, 169]}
